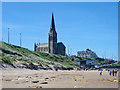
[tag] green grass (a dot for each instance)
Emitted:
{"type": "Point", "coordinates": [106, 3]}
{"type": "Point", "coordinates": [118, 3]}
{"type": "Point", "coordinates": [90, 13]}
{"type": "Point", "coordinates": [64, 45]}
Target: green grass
{"type": "Point", "coordinates": [65, 60]}
{"type": "Point", "coordinates": [28, 56]}
{"type": "Point", "coordinates": [6, 60]}
{"type": "Point", "coordinates": [115, 65]}
{"type": "Point", "coordinates": [17, 48]}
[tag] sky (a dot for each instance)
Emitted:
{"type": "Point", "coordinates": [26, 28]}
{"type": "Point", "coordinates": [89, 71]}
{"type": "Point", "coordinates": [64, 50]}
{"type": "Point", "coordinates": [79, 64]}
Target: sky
{"type": "Point", "coordinates": [79, 25]}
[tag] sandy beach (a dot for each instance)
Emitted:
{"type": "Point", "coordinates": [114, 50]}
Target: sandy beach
{"type": "Point", "coordinates": [25, 78]}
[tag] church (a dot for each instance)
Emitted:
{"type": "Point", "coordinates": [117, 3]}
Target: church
{"type": "Point", "coordinates": [52, 46]}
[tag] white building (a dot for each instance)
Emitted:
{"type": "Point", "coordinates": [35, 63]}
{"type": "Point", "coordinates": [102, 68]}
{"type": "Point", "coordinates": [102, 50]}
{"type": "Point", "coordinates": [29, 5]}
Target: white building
{"type": "Point", "coordinates": [86, 62]}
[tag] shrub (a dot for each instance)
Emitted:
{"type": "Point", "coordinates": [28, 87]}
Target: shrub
{"type": "Point", "coordinates": [6, 60]}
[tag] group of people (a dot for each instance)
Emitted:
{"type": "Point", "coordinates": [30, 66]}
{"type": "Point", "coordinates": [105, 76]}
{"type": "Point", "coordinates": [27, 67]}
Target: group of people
{"type": "Point", "coordinates": [111, 72]}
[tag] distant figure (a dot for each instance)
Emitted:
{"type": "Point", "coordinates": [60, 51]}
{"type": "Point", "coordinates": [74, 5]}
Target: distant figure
{"type": "Point", "coordinates": [113, 72]}
{"type": "Point", "coordinates": [101, 72]}
{"type": "Point", "coordinates": [56, 69]}
{"type": "Point", "coordinates": [110, 72]}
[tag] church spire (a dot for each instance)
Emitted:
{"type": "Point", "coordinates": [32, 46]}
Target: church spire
{"type": "Point", "coordinates": [52, 23]}
{"type": "Point", "coordinates": [52, 41]}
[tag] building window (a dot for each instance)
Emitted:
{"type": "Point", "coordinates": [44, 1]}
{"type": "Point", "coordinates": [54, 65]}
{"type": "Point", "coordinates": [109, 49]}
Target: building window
{"type": "Point", "coordinates": [44, 49]}
{"type": "Point", "coordinates": [41, 49]}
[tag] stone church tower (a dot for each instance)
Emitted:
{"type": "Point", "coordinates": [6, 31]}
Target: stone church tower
{"type": "Point", "coordinates": [52, 41]}
{"type": "Point", "coordinates": [52, 46]}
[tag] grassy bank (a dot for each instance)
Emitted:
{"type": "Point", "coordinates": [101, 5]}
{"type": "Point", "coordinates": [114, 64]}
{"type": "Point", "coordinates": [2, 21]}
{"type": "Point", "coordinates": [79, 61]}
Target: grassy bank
{"type": "Point", "coordinates": [12, 54]}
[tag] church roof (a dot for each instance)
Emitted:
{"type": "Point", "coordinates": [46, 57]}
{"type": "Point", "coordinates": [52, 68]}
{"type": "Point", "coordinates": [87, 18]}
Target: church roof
{"type": "Point", "coordinates": [60, 43]}
{"type": "Point", "coordinates": [42, 45]}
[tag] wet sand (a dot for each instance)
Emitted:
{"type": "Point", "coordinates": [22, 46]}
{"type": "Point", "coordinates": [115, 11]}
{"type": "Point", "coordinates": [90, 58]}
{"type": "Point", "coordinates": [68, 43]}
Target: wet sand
{"type": "Point", "coordinates": [25, 78]}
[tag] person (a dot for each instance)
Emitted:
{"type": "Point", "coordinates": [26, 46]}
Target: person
{"type": "Point", "coordinates": [110, 72]}
{"type": "Point", "coordinates": [113, 72]}
{"type": "Point", "coordinates": [101, 72]}
{"type": "Point", "coordinates": [56, 69]}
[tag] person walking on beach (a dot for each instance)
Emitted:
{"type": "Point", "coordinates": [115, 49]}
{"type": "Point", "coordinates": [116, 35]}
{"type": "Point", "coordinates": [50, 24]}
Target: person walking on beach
{"type": "Point", "coordinates": [101, 72]}
{"type": "Point", "coordinates": [110, 72]}
{"type": "Point", "coordinates": [113, 72]}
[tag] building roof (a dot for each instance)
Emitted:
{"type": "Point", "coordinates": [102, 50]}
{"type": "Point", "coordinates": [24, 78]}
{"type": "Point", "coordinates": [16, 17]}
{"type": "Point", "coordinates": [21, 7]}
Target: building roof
{"type": "Point", "coordinates": [42, 45]}
{"type": "Point", "coordinates": [60, 43]}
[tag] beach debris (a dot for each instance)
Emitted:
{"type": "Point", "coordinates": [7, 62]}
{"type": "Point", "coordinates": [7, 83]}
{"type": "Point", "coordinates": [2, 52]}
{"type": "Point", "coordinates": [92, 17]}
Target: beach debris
{"type": "Point", "coordinates": [30, 76]}
{"type": "Point", "coordinates": [18, 76]}
{"type": "Point", "coordinates": [115, 80]}
{"type": "Point", "coordinates": [53, 77]}
{"type": "Point", "coordinates": [78, 87]}
{"type": "Point", "coordinates": [111, 80]}
{"type": "Point", "coordinates": [107, 80]}
{"type": "Point", "coordinates": [16, 79]}
{"type": "Point", "coordinates": [7, 79]}
{"type": "Point", "coordinates": [75, 79]}
{"type": "Point", "coordinates": [21, 81]}
{"type": "Point", "coordinates": [26, 80]}
{"type": "Point", "coordinates": [75, 87]}
{"type": "Point", "coordinates": [36, 76]}
{"type": "Point", "coordinates": [17, 83]}
{"type": "Point", "coordinates": [40, 87]}
{"type": "Point", "coordinates": [81, 87]}
{"type": "Point", "coordinates": [46, 78]}
{"type": "Point", "coordinates": [21, 78]}
{"type": "Point", "coordinates": [35, 81]}
{"type": "Point", "coordinates": [44, 82]}
{"type": "Point", "coordinates": [35, 86]}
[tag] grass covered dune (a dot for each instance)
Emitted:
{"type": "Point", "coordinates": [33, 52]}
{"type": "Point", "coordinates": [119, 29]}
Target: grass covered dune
{"type": "Point", "coordinates": [19, 57]}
